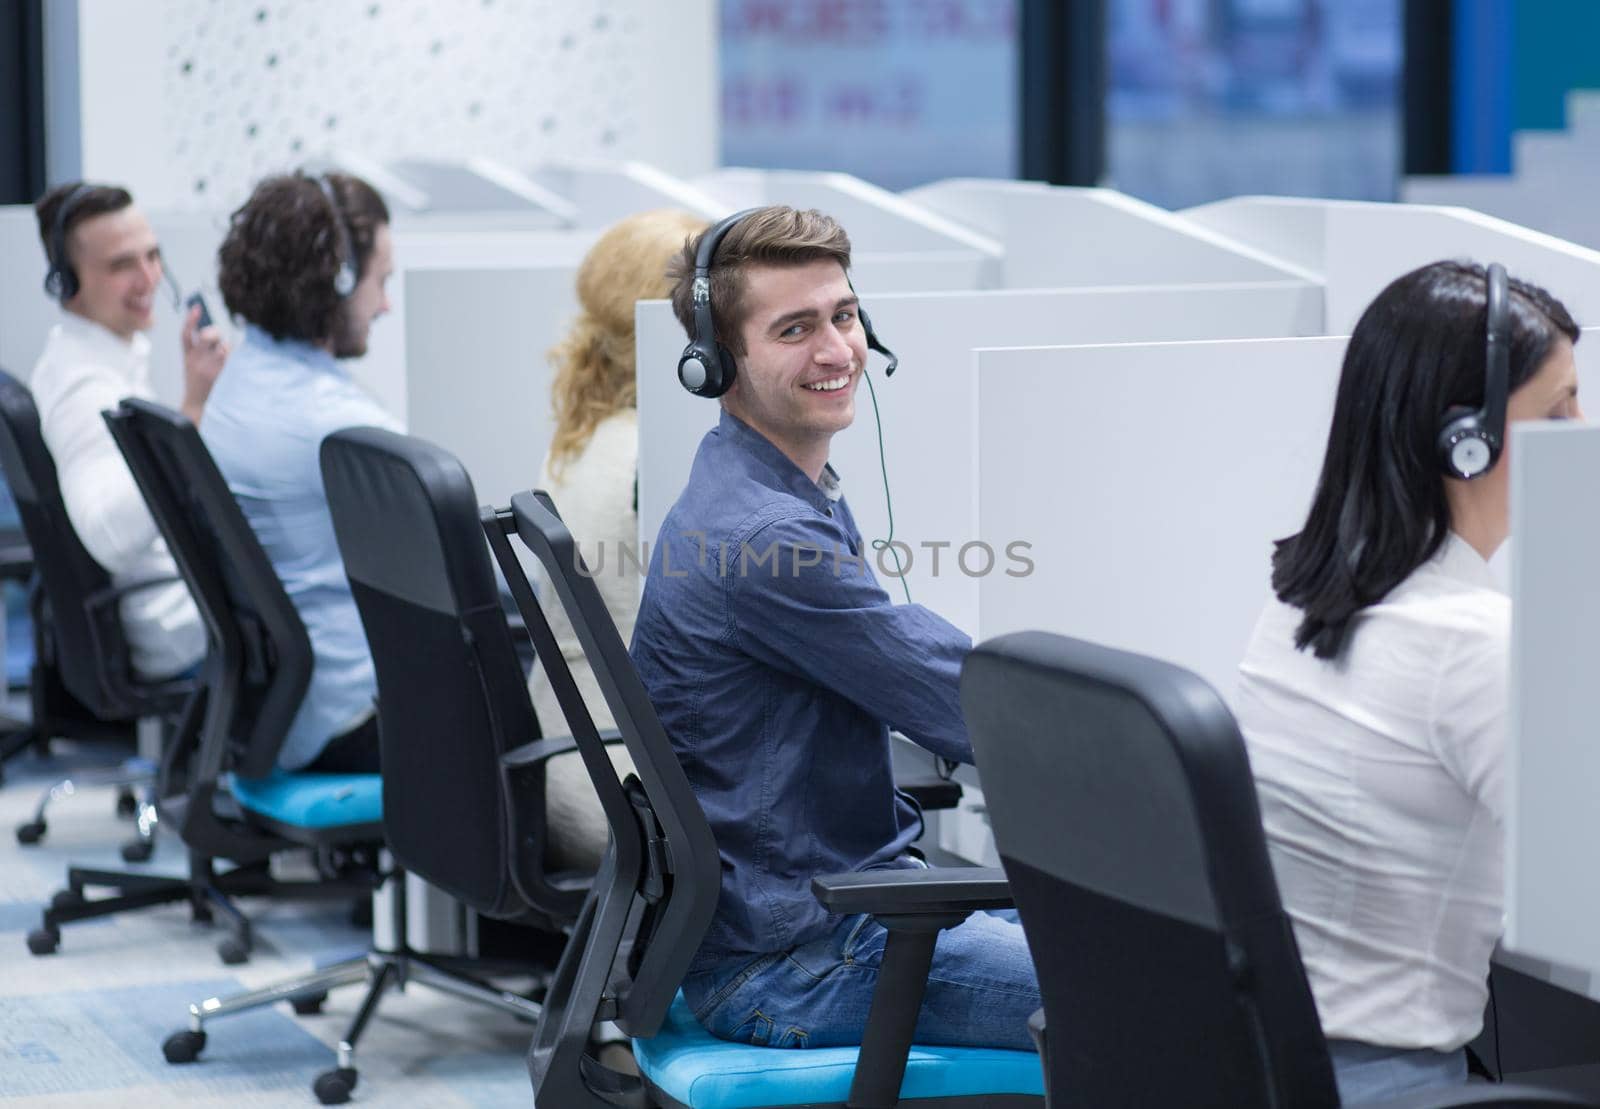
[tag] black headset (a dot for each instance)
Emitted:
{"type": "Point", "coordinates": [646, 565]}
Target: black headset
{"type": "Point", "coordinates": [706, 368]}
{"type": "Point", "coordinates": [1470, 440]}
{"type": "Point", "coordinates": [61, 280]}
{"type": "Point", "coordinates": [344, 282]}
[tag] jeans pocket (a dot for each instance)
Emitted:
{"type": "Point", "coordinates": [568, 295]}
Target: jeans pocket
{"type": "Point", "coordinates": [793, 1037]}
{"type": "Point", "coordinates": [756, 1030]}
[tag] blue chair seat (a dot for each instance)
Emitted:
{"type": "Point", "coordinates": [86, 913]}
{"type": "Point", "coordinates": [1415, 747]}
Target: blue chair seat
{"type": "Point", "coordinates": [693, 1067]}
{"type": "Point", "coordinates": [315, 802]}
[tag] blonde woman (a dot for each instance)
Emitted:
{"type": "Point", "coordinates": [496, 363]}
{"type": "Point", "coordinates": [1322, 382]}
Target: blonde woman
{"type": "Point", "coordinates": [590, 474]}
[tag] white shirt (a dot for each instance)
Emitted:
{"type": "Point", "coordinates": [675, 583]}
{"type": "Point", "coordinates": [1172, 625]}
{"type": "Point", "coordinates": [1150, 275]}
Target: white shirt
{"type": "Point", "coordinates": [84, 370]}
{"type": "Point", "coordinates": [1380, 781]}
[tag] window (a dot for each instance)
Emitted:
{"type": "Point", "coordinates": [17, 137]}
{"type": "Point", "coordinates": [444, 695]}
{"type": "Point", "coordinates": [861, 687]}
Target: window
{"type": "Point", "coordinates": [899, 92]}
{"type": "Point", "coordinates": [1218, 98]}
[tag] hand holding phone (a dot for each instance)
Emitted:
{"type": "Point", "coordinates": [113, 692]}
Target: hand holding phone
{"type": "Point", "coordinates": [205, 315]}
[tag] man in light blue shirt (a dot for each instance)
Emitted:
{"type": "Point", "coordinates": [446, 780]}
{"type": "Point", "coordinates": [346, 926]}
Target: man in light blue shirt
{"type": "Point", "coordinates": [304, 266]}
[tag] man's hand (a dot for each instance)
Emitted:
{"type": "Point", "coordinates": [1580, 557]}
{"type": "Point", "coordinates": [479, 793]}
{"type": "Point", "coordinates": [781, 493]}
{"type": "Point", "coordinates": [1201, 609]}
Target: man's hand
{"type": "Point", "coordinates": [204, 352]}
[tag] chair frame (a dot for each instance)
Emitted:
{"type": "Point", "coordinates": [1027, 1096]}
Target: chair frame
{"type": "Point", "coordinates": [658, 884]}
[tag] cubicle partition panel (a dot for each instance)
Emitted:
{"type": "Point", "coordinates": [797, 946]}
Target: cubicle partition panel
{"type": "Point", "coordinates": [1149, 482]}
{"type": "Point", "coordinates": [927, 409]}
{"type": "Point", "coordinates": [1369, 245]}
{"type": "Point", "coordinates": [1553, 763]}
{"type": "Point", "coordinates": [477, 373]}
{"type": "Point", "coordinates": [1056, 237]}
{"type": "Point", "coordinates": [479, 246]}
{"type": "Point", "coordinates": [1289, 227]}
{"type": "Point", "coordinates": [604, 192]}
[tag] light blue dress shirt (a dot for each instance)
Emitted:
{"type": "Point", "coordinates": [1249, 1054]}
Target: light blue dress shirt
{"type": "Point", "coordinates": [264, 423]}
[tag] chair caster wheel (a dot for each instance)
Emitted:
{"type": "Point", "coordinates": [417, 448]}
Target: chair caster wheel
{"type": "Point", "coordinates": [31, 832]}
{"type": "Point", "coordinates": [127, 805]}
{"type": "Point", "coordinates": [137, 851]}
{"type": "Point", "coordinates": [66, 899]}
{"type": "Point", "coordinates": [233, 951]}
{"type": "Point", "coordinates": [310, 1004]}
{"type": "Point", "coordinates": [183, 1047]}
{"type": "Point", "coordinates": [43, 941]}
{"type": "Point", "coordinates": [333, 1087]}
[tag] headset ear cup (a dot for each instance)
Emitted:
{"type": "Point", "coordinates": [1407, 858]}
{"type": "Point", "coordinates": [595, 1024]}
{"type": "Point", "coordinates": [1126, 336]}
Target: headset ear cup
{"type": "Point", "coordinates": [729, 369]}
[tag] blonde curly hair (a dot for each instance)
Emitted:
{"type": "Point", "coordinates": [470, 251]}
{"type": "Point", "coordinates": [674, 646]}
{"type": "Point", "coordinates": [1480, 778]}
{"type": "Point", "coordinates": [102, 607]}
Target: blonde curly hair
{"type": "Point", "coordinates": [594, 363]}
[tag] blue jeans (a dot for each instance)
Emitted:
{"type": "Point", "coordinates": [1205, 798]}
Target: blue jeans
{"type": "Point", "coordinates": [982, 988]}
{"type": "Point", "coordinates": [1367, 1072]}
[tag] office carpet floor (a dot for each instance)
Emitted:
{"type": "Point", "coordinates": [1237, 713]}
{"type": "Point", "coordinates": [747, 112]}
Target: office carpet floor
{"type": "Point", "coordinates": [83, 1027]}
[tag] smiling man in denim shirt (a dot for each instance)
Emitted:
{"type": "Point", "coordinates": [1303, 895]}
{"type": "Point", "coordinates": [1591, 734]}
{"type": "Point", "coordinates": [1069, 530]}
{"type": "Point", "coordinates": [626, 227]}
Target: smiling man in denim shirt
{"type": "Point", "coordinates": [777, 664]}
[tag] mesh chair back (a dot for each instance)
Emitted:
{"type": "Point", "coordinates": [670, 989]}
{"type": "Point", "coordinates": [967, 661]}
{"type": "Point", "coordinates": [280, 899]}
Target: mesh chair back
{"type": "Point", "coordinates": [91, 653]}
{"type": "Point", "coordinates": [452, 699]}
{"type": "Point", "coordinates": [661, 870]}
{"type": "Point", "coordinates": [261, 654]}
{"type": "Point", "coordinates": [1126, 818]}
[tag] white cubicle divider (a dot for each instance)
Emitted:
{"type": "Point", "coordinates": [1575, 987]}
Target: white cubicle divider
{"type": "Point", "coordinates": [927, 407]}
{"type": "Point", "coordinates": [384, 368]}
{"type": "Point", "coordinates": [1553, 759]}
{"type": "Point", "coordinates": [1369, 245]}
{"type": "Point", "coordinates": [1289, 227]}
{"type": "Point", "coordinates": [476, 375]}
{"type": "Point", "coordinates": [897, 245]}
{"type": "Point", "coordinates": [189, 243]}
{"type": "Point", "coordinates": [1150, 481]}
{"type": "Point", "coordinates": [1056, 237]}
{"type": "Point", "coordinates": [603, 192]}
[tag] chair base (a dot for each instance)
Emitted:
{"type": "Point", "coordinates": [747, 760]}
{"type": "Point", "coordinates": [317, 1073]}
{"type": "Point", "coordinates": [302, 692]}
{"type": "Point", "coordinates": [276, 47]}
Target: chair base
{"type": "Point", "coordinates": [207, 892]}
{"type": "Point", "coordinates": [381, 971]}
{"type": "Point", "coordinates": [127, 775]}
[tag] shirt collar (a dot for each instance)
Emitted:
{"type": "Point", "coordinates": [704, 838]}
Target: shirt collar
{"type": "Point", "coordinates": [299, 350]}
{"type": "Point", "coordinates": [790, 478]}
{"type": "Point", "coordinates": [1460, 561]}
{"type": "Point", "coordinates": [130, 352]}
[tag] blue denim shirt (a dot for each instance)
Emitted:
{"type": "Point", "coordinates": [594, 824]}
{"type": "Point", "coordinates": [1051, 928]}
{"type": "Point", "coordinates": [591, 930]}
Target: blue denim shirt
{"type": "Point", "coordinates": [264, 423]}
{"type": "Point", "coordinates": [777, 665]}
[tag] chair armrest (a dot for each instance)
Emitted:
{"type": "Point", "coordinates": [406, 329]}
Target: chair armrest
{"type": "Point", "coordinates": [1508, 1095]}
{"type": "Point", "coordinates": [931, 794]}
{"type": "Point", "coordinates": [537, 751]}
{"type": "Point", "coordinates": [914, 890]}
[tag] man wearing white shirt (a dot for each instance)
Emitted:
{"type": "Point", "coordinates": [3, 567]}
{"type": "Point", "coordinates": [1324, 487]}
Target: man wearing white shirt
{"type": "Point", "coordinates": [104, 268]}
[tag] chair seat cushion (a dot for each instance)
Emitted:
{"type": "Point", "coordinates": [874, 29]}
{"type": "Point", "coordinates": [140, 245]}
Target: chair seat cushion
{"type": "Point", "coordinates": [692, 1066]}
{"type": "Point", "coordinates": [313, 801]}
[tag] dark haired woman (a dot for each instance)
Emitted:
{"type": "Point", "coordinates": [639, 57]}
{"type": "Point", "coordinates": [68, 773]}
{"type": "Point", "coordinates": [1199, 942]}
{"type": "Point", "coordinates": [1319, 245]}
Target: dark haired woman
{"type": "Point", "coordinates": [1373, 693]}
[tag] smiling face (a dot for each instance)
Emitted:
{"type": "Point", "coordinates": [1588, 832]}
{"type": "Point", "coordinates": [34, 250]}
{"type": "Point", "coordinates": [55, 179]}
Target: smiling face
{"type": "Point", "coordinates": [118, 263]}
{"type": "Point", "coordinates": [804, 349]}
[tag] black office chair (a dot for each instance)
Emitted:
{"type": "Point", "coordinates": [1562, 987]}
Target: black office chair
{"type": "Point", "coordinates": [654, 897]}
{"type": "Point", "coordinates": [463, 764]}
{"type": "Point", "coordinates": [82, 685]}
{"type": "Point", "coordinates": [219, 787]}
{"type": "Point", "coordinates": [1125, 814]}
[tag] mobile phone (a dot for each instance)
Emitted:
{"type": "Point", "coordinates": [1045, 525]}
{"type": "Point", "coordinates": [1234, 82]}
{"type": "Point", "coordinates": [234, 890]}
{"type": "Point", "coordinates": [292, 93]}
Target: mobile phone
{"type": "Point", "coordinates": [205, 315]}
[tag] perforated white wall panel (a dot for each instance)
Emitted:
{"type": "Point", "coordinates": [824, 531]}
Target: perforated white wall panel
{"type": "Point", "coordinates": [192, 100]}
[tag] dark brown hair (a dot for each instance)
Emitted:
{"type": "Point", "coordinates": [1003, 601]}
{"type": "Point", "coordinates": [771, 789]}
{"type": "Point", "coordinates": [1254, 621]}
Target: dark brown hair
{"type": "Point", "coordinates": [774, 236]}
{"type": "Point", "coordinates": [277, 265]}
{"type": "Point", "coordinates": [1380, 509]}
{"type": "Point", "coordinates": [96, 200]}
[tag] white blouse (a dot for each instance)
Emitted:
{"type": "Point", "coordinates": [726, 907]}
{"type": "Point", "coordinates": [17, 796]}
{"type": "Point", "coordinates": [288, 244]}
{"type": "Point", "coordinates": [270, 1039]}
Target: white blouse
{"type": "Point", "coordinates": [594, 494]}
{"type": "Point", "coordinates": [1380, 780]}
{"type": "Point", "coordinates": [84, 370]}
